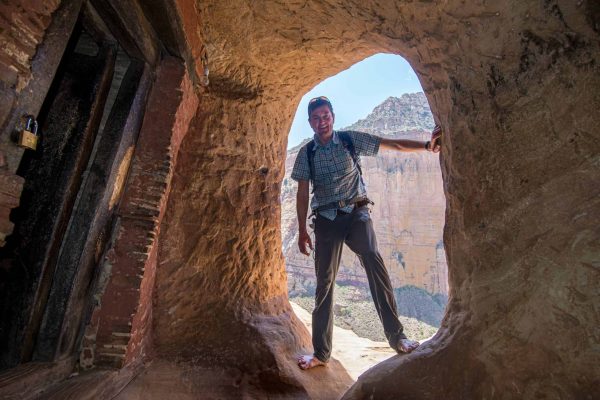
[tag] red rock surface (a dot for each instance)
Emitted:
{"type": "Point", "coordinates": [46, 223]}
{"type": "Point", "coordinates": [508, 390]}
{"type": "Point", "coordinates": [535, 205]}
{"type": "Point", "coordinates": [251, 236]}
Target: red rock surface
{"type": "Point", "coordinates": [120, 329]}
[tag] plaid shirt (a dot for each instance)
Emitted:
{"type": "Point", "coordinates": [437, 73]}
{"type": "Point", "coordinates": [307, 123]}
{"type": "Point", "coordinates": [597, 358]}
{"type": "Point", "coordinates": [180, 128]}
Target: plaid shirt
{"type": "Point", "coordinates": [336, 175]}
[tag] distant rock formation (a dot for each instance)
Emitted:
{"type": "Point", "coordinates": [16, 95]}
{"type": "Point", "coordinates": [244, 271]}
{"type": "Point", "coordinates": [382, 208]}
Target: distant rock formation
{"type": "Point", "coordinates": [408, 214]}
{"type": "Point", "coordinates": [407, 113]}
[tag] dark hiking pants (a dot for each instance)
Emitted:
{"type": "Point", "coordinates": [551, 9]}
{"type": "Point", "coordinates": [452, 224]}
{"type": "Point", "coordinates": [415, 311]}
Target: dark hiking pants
{"type": "Point", "coordinates": [356, 230]}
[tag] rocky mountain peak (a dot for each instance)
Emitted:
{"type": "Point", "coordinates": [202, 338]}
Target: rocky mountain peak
{"type": "Point", "coordinates": [409, 112]}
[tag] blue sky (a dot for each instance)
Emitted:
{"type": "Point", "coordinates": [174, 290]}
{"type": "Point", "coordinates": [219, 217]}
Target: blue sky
{"type": "Point", "coordinates": [356, 91]}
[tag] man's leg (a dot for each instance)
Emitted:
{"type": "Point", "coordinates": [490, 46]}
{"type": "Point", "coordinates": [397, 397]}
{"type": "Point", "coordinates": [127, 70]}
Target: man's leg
{"type": "Point", "coordinates": [362, 241]}
{"type": "Point", "coordinates": [329, 240]}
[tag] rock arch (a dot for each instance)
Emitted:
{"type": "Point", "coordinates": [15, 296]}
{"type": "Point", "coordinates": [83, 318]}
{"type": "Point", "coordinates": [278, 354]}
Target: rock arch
{"type": "Point", "coordinates": [514, 85]}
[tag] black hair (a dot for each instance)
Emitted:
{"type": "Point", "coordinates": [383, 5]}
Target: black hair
{"type": "Point", "coordinates": [318, 102]}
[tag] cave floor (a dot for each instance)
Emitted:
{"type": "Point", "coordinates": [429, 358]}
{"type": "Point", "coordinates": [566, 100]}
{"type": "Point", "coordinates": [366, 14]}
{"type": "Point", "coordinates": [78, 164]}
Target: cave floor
{"type": "Point", "coordinates": [160, 378]}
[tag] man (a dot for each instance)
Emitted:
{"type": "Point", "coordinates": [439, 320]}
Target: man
{"type": "Point", "coordinates": [340, 204]}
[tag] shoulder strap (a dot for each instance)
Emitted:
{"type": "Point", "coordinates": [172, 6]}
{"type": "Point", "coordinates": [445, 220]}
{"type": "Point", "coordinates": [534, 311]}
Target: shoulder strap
{"type": "Point", "coordinates": [310, 154]}
{"type": "Point", "coordinates": [348, 144]}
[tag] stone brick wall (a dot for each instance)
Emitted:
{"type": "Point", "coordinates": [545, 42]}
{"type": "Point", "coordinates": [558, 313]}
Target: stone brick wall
{"type": "Point", "coordinates": [118, 333]}
{"type": "Point", "coordinates": [22, 28]}
{"type": "Point", "coordinates": [195, 48]}
{"type": "Point", "coordinates": [11, 186]}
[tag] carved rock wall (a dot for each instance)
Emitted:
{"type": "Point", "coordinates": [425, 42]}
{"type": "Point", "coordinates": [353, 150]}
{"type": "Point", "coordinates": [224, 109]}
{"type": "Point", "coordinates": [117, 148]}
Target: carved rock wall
{"type": "Point", "coordinates": [215, 306]}
{"type": "Point", "coordinates": [119, 331]}
{"type": "Point", "coordinates": [515, 86]}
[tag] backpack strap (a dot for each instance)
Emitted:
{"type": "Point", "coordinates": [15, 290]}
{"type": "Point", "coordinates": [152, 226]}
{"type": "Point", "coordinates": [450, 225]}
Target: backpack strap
{"type": "Point", "coordinates": [349, 145]}
{"type": "Point", "coordinates": [310, 154]}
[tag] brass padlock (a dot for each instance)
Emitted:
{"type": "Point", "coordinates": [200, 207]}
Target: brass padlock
{"type": "Point", "coordinates": [28, 137]}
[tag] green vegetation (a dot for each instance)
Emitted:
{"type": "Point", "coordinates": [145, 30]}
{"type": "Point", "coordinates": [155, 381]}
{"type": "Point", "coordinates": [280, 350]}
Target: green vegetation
{"type": "Point", "coordinates": [418, 303]}
{"type": "Point", "coordinates": [400, 258]}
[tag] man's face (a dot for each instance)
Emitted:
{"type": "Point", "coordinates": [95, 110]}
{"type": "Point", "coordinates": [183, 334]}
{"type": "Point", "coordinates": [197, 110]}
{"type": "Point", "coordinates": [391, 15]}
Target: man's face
{"type": "Point", "coordinates": [321, 120]}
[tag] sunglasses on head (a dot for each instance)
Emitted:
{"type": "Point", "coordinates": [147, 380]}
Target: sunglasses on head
{"type": "Point", "coordinates": [319, 98]}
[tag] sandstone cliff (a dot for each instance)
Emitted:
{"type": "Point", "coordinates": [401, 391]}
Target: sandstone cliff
{"type": "Point", "coordinates": [409, 207]}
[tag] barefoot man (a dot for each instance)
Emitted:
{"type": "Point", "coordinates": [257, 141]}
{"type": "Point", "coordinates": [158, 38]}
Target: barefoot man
{"type": "Point", "coordinates": [340, 205]}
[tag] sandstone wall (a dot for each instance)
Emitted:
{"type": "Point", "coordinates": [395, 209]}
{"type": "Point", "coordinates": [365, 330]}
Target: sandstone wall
{"type": "Point", "coordinates": [515, 87]}
{"type": "Point", "coordinates": [216, 305]}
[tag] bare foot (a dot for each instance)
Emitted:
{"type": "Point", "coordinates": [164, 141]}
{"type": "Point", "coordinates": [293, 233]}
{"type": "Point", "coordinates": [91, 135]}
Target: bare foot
{"type": "Point", "coordinates": [407, 345]}
{"type": "Point", "coordinates": [309, 361]}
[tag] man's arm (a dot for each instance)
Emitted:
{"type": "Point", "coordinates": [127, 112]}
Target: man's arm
{"type": "Point", "coordinates": [413, 145]}
{"type": "Point", "coordinates": [302, 210]}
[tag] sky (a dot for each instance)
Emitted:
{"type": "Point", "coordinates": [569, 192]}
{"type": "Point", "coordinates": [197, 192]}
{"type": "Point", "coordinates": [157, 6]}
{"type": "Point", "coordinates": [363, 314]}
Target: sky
{"type": "Point", "coordinates": [356, 91]}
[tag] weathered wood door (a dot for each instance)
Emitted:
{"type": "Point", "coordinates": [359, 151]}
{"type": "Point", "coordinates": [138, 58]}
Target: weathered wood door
{"type": "Point", "coordinates": [89, 122]}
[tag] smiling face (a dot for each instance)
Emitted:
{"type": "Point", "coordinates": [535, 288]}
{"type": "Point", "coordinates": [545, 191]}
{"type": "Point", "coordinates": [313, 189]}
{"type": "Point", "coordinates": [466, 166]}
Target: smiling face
{"type": "Point", "coordinates": [321, 121]}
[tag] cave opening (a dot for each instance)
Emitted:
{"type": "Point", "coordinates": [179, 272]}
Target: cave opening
{"type": "Point", "coordinates": [379, 95]}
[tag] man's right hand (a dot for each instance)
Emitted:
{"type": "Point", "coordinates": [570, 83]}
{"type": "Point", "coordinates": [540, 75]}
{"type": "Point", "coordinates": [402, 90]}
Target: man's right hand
{"type": "Point", "coordinates": [303, 240]}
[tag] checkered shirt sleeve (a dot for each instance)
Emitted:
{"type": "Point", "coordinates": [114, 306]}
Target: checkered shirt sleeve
{"type": "Point", "coordinates": [301, 170]}
{"type": "Point", "coordinates": [365, 144]}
